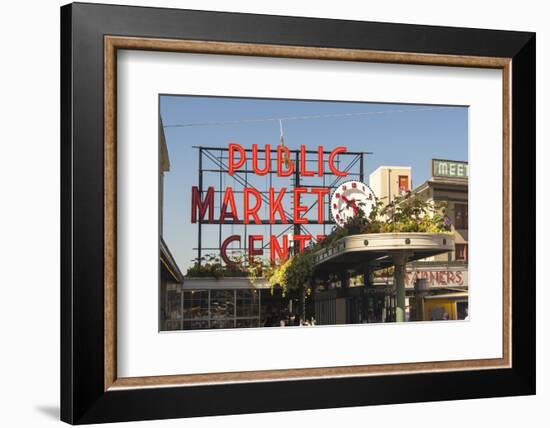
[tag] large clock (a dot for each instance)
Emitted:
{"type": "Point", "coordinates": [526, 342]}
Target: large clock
{"type": "Point", "coordinates": [349, 198]}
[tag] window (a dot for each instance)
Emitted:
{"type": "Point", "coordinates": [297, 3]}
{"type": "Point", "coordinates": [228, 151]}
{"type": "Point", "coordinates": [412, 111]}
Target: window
{"type": "Point", "coordinates": [206, 309]}
{"type": "Point", "coordinates": [172, 315]}
{"type": "Point", "coordinates": [195, 310]}
{"type": "Point", "coordinates": [248, 303]}
{"type": "Point", "coordinates": [222, 303]}
{"type": "Point", "coordinates": [462, 310]}
{"type": "Point", "coordinates": [461, 216]}
{"type": "Point", "coordinates": [439, 313]}
{"type": "Point", "coordinates": [403, 184]}
{"type": "Point", "coordinates": [461, 252]}
{"type": "Point", "coordinates": [195, 304]}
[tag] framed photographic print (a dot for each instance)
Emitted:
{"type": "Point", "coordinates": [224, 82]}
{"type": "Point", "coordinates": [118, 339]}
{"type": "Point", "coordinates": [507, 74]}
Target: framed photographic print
{"type": "Point", "coordinates": [276, 213]}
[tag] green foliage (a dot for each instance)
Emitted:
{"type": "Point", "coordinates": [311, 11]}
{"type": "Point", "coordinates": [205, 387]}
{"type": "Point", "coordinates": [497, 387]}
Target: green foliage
{"type": "Point", "coordinates": [412, 214]}
{"type": "Point", "coordinates": [405, 214]}
{"type": "Point", "coordinates": [241, 266]}
{"type": "Point", "coordinates": [205, 270]}
{"type": "Point", "coordinates": [293, 274]}
{"type": "Point", "coordinates": [211, 266]}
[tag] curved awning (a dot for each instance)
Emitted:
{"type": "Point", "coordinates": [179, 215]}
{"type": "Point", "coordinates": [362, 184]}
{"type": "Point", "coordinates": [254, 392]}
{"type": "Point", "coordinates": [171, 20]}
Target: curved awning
{"type": "Point", "coordinates": [356, 252]}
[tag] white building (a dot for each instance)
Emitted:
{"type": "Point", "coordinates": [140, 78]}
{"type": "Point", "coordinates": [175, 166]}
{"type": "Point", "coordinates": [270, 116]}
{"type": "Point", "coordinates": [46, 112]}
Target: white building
{"type": "Point", "coordinates": [388, 182]}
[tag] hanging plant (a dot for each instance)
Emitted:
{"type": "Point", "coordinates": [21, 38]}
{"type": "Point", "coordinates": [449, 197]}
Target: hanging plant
{"type": "Point", "coordinates": [405, 214]}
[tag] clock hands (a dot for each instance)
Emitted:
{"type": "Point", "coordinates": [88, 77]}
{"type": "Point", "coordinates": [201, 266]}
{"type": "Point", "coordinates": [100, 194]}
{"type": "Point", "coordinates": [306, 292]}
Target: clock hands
{"type": "Point", "coordinates": [352, 195]}
{"type": "Point", "coordinates": [352, 203]}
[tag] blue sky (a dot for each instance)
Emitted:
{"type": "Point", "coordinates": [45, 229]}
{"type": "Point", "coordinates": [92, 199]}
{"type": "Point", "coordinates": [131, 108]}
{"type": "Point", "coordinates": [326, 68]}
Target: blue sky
{"type": "Point", "coordinates": [406, 135]}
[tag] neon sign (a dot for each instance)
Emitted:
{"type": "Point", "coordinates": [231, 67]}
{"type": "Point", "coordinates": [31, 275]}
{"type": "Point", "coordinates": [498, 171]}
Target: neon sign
{"type": "Point", "coordinates": [202, 203]}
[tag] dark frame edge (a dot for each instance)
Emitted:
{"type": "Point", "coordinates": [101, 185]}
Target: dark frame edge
{"type": "Point", "coordinates": [66, 304]}
{"type": "Point", "coordinates": [524, 215]}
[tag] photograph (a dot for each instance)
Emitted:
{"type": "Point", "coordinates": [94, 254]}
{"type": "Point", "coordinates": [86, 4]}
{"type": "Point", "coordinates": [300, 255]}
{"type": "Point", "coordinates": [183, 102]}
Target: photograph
{"type": "Point", "coordinates": [302, 213]}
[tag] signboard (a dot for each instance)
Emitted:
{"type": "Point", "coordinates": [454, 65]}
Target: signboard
{"type": "Point", "coordinates": [438, 277]}
{"type": "Point", "coordinates": [449, 169]}
{"type": "Point", "coordinates": [294, 204]}
{"type": "Point", "coordinates": [443, 276]}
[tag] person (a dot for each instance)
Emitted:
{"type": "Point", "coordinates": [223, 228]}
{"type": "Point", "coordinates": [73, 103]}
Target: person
{"type": "Point", "coordinates": [292, 320]}
{"type": "Point", "coordinates": [269, 320]}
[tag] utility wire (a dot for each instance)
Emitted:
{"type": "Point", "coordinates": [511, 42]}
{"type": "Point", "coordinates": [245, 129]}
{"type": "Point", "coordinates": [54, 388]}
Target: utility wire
{"type": "Point", "coordinates": [307, 117]}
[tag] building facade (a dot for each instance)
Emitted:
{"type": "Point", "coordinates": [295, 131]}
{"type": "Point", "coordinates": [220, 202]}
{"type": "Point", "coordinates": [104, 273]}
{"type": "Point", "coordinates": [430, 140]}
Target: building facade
{"type": "Point", "coordinates": [390, 182]}
{"type": "Point", "coordinates": [170, 276]}
{"type": "Point", "coordinates": [449, 186]}
{"type": "Point", "coordinates": [436, 287]}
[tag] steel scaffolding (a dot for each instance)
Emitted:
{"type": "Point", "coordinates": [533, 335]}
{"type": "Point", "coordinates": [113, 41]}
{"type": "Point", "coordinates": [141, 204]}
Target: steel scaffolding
{"type": "Point", "coordinates": [213, 160]}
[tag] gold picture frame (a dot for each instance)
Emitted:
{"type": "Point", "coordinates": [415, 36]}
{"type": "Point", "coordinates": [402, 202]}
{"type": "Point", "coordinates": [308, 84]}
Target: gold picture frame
{"type": "Point", "coordinates": [114, 43]}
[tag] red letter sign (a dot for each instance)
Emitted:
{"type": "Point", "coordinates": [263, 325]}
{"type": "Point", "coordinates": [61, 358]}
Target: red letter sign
{"type": "Point", "coordinates": [202, 206]}
{"type": "Point", "coordinates": [299, 208]}
{"type": "Point", "coordinates": [267, 164]}
{"type": "Point", "coordinates": [333, 168]}
{"type": "Point", "coordinates": [275, 251]}
{"type": "Point", "coordinates": [254, 251]}
{"type": "Point", "coordinates": [232, 165]}
{"type": "Point", "coordinates": [223, 249]}
{"type": "Point", "coordinates": [303, 163]}
{"type": "Point", "coordinates": [276, 205]}
{"type": "Point", "coordinates": [229, 198]}
{"type": "Point", "coordinates": [283, 158]}
{"type": "Point", "coordinates": [302, 239]}
{"type": "Point", "coordinates": [254, 210]}
{"type": "Point", "coordinates": [321, 192]}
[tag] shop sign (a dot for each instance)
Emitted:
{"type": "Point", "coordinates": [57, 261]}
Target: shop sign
{"type": "Point", "coordinates": [449, 169]}
{"type": "Point", "coordinates": [447, 277]}
{"type": "Point", "coordinates": [202, 203]}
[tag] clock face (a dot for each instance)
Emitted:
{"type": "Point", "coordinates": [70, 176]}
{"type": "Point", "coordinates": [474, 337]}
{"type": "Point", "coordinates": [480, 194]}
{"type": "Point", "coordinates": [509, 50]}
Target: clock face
{"type": "Point", "coordinates": [349, 198]}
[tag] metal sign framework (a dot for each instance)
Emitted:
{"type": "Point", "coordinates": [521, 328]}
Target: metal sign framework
{"type": "Point", "coordinates": [213, 160]}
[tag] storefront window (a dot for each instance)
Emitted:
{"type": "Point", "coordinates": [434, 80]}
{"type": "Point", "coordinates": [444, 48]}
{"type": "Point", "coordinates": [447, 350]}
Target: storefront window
{"type": "Point", "coordinates": [195, 304]}
{"type": "Point", "coordinates": [172, 316]}
{"type": "Point", "coordinates": [248, 322]}
{"type": "Point", "coordinates": [222, 303]}
{"type": "Point", "coordinates": [196, 325]}
{"type": "Point", "coordinates": [248, 303]}
{"type": "Point", "coordinates": [438, 313]}
{"type": "Point", "coordinates": [204, 309]}
{"type": "Point", "coordinates": [461, 216]}
{"type": "Point", "coordinates": [462, 310]}
{"type": "Point", "coordinates": [461, 252]}
{"type": "Point", "coordinates": [222, 323]}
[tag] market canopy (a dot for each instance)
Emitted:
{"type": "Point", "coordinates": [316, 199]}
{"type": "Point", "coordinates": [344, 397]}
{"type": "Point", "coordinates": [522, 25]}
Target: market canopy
{"type": "Point", "coordinates": [357, 252]}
